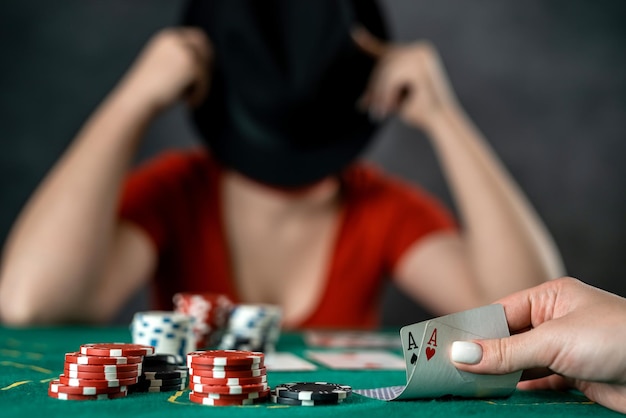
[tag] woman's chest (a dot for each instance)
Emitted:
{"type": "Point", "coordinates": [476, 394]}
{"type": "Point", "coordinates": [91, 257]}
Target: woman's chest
{"type": "Point", "coordinates": [282, 261]}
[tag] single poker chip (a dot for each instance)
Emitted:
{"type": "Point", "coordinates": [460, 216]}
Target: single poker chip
{"type": "Point", "coordinates": [222, 374]}
{"type": "Point", "coordinates": [223, 402]}
{"type": "Point", "coordinates": [97, 397]}
{"type": "Point", "coordinates": [225, 358]}
{"type": "Point", "coordinates": [229, 390]}
{"type": "Point", "coordinates": [79, 358]}
{"type": "Point", "coordinates": [103, 368]}
{"type": "Point", "coordinates": [297, 402]}
{"type": "Point", "coordinates": [166, 374]}
{"type": "Point", "coordinates": [252, 395]}
{"type": "Point", "coordinates": [313, 391]}
{"type": "Point", "coordinates": [75, 374]}
{"type": "Point", "coordinates": [116, 349]}
{"type": "Point", "coordinates": [225, 368]}
{"type": "Point", "coordinates": [160, 382]}
{"type": "Point", "coordinates": [232, 381]}
{"type": "Point", "coordinates": [97, 383]}
{"type": "Point", "coordinates": [160, 360]}
{"type": "Point", "coordinates": [57, 387]}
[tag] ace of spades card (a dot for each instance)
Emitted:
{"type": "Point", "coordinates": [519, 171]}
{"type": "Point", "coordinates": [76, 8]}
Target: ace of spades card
{"type": "Point", "coordinates": [426, 347]}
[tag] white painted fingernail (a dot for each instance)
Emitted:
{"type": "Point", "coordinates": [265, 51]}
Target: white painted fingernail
{"type": "Point", "coordinates": [466, 352]}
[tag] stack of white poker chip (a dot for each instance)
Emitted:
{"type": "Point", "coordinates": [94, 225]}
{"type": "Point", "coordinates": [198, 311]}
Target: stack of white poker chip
{"type": "Point", "coordinates": [169, 332]}
{"type": "Point", "coordinates": [252, 328]}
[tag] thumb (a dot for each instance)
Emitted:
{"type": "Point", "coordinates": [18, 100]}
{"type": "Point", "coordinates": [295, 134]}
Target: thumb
{"type": "Point", "coordinates": [501, 355]}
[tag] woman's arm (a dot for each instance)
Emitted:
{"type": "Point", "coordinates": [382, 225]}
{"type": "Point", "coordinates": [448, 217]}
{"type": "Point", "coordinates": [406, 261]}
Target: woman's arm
{"type": "Point", "coordinates": [503, 246]}
{"type": "Point", "coordinates": [68, 258]}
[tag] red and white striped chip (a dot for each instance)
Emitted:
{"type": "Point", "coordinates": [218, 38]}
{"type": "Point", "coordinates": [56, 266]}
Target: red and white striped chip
{"type": "Point", "coordinates": [229, 381]}
{"type": "Point", "coordinates": [79, 358]}
{"type": "Point", "coordinates": [97, 383]}
{"type": "Point", "coordinates": [116, 349]}
{"type": "Point", "coordinates": [56, 386]}
{"type": "Point", "coordinates": [229, 390]}
{"type": "Point", "coordinates": [98, 397]}
{"type": "Point", "coordinates": [195, 398]}
{"type": "Point", "coordinates": [224, 358]}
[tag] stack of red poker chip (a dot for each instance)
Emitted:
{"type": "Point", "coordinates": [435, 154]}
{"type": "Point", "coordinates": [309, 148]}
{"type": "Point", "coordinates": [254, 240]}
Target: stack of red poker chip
{"type": "Point", "coordinates": [99, 371]}
{"type": "Point", "coordinates": [210, 312]}
{"type": "Point", "coordinates": [227, 377]}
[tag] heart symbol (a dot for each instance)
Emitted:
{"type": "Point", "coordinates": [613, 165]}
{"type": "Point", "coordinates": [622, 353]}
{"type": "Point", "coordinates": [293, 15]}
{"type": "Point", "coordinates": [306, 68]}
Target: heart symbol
{"type": "Point", "coordinates": [430, 352]}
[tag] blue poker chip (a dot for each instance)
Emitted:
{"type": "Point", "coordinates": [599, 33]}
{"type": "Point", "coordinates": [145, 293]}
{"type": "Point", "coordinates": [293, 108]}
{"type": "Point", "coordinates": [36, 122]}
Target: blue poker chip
{"type": "Point", "coordinates": [313, 391]}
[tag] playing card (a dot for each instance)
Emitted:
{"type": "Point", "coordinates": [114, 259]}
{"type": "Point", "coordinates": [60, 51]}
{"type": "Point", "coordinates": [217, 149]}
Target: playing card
{"type": "Point", "coordinates": [358, 359]}
{"type": "Point", "coordinates": [351, 339]}
{"type": "Point", "coordinates": [435, 375]}
{"type": "Point", "coordinates": [430, 373]}
{"type": "Point", "coordinates": [284, 361]}
{"type": "Point", "coordinates": [411, 337]}
{"type": "Point", "coordinates": [487, 321]}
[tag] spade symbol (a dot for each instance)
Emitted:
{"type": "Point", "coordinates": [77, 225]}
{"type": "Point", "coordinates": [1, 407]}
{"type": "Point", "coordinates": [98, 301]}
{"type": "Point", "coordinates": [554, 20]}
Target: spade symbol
{"type": "Point", "coordinates": [413, 358]}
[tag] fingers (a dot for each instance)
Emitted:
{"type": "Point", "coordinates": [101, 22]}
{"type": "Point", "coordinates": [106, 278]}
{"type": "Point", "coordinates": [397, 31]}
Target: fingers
{"type": "Point", "coordinates": [383, 93]}
{"type": "Point", "coordinates": [518, 309]}
{"type": "Point", "coordinates": [536, 373]}
{"type": "Point", "coordinates": [201, 50]}
{"type": "Point", "coordinates": [408, 80]}
{"type": "Point", "coordinates": [552, 382]}
{"type": "Point", "coordinates": [375, 48]}
{"type": "Point", "coordinates": [611, 396]}
{"type": "Point", "coordinates": [532, 349]}
{"type": "Point", "coordinates": [390, 83]}
{"type": "Point", "coordinates": [398, 74]}
{"type": "Point", "coordinates": [173, 65]}
{"type": "Point", "coordinates": [368, 43]}
{"type": "Point", "coordinates": [531, 307]}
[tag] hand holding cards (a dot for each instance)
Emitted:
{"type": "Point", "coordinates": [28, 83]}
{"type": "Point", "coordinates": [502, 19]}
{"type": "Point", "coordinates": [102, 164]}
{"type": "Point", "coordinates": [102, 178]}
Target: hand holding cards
{"type": "Point", "coordinates": [429, 371]}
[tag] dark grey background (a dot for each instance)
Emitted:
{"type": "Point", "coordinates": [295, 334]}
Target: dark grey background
{"type": "Point", "coordinates": [544, 80]}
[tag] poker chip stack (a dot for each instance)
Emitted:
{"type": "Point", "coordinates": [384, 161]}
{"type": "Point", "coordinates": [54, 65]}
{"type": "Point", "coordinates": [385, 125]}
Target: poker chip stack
{"type": "Point", "coordinates": [168, 332]}
{"type": "Point", "coordinates": [210, 312]}
{"type": "Point", "coordinates": [227, 377]}
{"type": "Point", "coordinates": [161, 373]}
{"type": "Point", "coordinates": [310, 393]}
{"type": "Point", "coordinates": [99, 371]}
{"type": "Point", "coordinates": [252, 328]}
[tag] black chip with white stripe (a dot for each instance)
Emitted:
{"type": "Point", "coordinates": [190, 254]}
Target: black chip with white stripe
{"type": "Point", "coordinates": [313, 391]}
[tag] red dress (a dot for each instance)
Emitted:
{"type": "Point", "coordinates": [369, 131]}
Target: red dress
{"type": "Point", "coordinates": [175, 199]}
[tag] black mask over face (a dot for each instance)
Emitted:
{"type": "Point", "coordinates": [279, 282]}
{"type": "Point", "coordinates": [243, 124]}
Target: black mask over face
{"type": "Point", "coordinates": [285, 82]}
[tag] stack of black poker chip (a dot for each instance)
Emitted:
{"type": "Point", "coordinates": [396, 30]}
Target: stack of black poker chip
{"type": "Point", "coordinates": [310, 393]}
{"type": "Point", "coordinates": [161, 373]}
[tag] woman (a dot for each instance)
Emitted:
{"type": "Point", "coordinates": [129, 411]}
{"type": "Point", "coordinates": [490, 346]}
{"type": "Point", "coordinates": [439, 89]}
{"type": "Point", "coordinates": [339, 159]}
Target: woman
{"type": "Point", "coordinates": [277, 209]}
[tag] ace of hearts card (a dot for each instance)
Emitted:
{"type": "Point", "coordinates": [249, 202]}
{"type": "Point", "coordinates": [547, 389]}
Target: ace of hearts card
{"type": "Point", "coordinates": [429, 371]}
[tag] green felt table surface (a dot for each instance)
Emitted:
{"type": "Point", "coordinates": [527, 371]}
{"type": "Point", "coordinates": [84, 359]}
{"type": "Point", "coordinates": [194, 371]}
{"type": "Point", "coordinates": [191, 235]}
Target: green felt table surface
{"type": "Point", "coordinates": [30, 358]}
